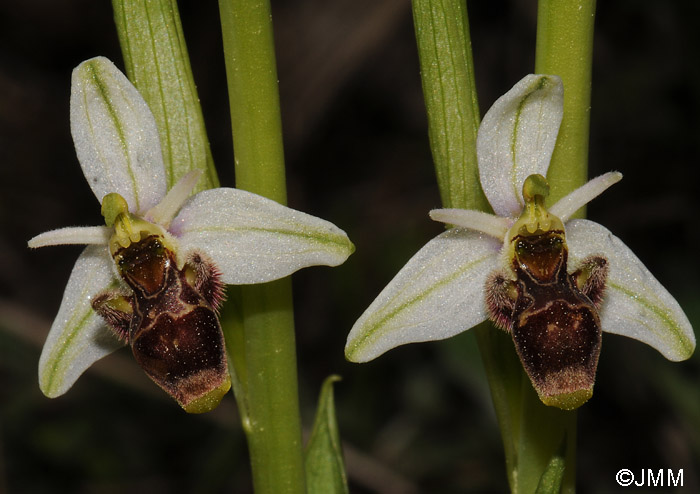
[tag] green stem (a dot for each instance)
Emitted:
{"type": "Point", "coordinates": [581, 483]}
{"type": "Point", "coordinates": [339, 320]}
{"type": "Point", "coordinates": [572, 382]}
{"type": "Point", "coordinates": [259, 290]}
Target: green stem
{"type": "Point", "coordinates": [565, 48]}
{"type": "Point", "coordinates": [273, 424]}
{"type": "Point", "coordinates": [254, 97]}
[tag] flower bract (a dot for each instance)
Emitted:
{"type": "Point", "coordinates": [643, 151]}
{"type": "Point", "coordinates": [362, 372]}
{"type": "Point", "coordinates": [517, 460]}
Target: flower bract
{"type": "Point", "coordinates": [551, 281]}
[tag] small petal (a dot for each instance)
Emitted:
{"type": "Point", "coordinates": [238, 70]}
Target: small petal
{"type": "Point", "coordinates": [516, 139]}
{"type": "Point", "coordinates": [164, 212]}
{"type": "Point", "coordinates": [253, 239]}
{"type": "Point", "coordinates": [437, 294]}
{"type": "Point", "coordinates": [635, 303]}
{"type": "Point", "coordinates": [78, 336]}
{"type": "Point", "coordinates": [568, 205]}
{"type": "Point", "coordinates": [495, 226]}
{"type": "Point", "coordinates": [115, 136]}
{"type": "Point", "coordinates": [82, 235]}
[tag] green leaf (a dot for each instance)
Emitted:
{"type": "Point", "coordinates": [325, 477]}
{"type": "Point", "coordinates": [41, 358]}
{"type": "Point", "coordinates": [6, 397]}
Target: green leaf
{"type": "Point", "coordinates": [325, 472]}
{"type": "Point", "coordinates": [553, 475]}
{"type": "Point", "coordinates": [447, 73]}
{"type": "Point", "coordinates": [156, 59]}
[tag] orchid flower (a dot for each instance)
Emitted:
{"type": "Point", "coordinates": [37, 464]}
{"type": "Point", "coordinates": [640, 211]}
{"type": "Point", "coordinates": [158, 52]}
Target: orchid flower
{"type": "Point", "coordinates": [551, 281]}
{"type": "Point", "coordinates": [197, 244]}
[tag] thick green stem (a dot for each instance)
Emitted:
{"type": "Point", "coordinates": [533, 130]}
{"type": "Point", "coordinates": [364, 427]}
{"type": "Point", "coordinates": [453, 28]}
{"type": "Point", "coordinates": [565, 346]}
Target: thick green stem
{"type": "Point", "coordinates": [565, 48]}
{"type": "Point", "coordinates": [254, 97]}
{"type": "Point", "coordinates": [447, 74]}
{"type": "Point", "coordinates": [273, 424]}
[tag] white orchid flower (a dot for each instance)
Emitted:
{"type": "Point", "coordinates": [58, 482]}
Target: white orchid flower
{"type": "Point", "coordinates": [511, 267]}
{"type": "Point", "coordinates": [218, 236]}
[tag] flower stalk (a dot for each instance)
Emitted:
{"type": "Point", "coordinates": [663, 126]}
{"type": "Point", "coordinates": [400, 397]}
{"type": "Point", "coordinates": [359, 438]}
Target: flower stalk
{"type": "Point", "coordinates": [447, 75]}
{"type": "Point", "coordinates": [564, 47]}
{"type": "Point", "coordinates": [274, 425]}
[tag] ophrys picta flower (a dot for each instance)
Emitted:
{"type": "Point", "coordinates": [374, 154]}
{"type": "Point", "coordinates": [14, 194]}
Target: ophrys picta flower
{"type": "Point", "coordinates": [554, 283]}
{"type": "Point", "coordinates": [153, 277]}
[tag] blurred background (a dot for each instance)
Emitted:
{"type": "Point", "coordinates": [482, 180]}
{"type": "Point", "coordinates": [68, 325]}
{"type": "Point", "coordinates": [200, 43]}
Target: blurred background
{"type": "Point", "coordinates": [419, 419]}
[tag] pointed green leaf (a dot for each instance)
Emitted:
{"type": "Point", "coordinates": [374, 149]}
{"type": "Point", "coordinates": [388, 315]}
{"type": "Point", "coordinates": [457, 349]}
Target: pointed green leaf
{"type": "Point", "coordinates": [323, 457]}
{"type": "Point", "coordinates": [553, 475]}
{"type": "Point", "coordinates": [449, 90]}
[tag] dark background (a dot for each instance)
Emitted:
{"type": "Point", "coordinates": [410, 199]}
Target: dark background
{"type": "Point", "coordinates": [419, 419]}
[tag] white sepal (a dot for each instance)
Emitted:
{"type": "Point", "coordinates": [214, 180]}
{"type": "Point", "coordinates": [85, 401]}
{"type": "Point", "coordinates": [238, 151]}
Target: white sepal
{"type": "Point", "coordinates": [516, 139]}
{"type": "Point", "coordinates": [253, 239]}
{"type": "Point", "coordinates": [80, 235]}
{"type": "Point", "coordinates": [437, 294]}
{"type": "Point", "coordinates": [565, 207]}
{"type": "Point", "coordinates": [78, 336]}
{"type": "Point", "coordinates": [635, 303]}
{"type": "Point", "coordinates": [115, 136]}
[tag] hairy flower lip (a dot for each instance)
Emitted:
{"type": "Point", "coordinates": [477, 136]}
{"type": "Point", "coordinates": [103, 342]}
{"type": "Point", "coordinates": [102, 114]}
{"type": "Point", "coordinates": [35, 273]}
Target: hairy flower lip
{"type": "Point", "coordinates": [439, 292]}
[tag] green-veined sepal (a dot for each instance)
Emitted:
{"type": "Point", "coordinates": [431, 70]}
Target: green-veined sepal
{"type": "Point", "coordinates": [516, 139]}
{"type": "Point", "coordinates": [635, 303]}
{"type": "Point", "coordinates": [437, 294]}
{"type": "Point", "coordinates": [115, 136]}
{"type": "Point", "coordinates": [78, 336]}
{"type": "Point", "coordinates": [253, 239]}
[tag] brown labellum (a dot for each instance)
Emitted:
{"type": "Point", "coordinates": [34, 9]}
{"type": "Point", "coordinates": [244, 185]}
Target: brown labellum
{"type": "Point", "coordinates": [552, 315]}
{"type": "Point", "coordinates": [170, 321]}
